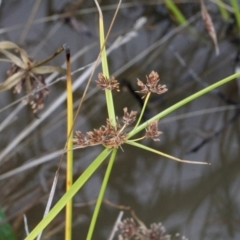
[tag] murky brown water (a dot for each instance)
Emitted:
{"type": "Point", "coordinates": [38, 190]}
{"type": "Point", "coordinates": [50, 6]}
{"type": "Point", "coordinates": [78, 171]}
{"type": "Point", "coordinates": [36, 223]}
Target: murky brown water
{"type": "Point", "coordinates": [200, 202]}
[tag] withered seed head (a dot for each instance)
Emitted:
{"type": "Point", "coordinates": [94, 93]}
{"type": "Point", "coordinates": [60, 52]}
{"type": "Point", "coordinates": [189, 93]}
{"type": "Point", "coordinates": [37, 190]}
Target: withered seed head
{"type": "Point", "coordinates": [34, 85]}
{"type": "Point", "coordinates": [107, 135]}
{"type": "Point", "coordinates": [129, 118]}
{"type": "Point", "coordinates": [25, 73]}
{"type": "Point", "coordinates": [152, 131]}
{"type": "Point", "coordinates": [80, 140]}
{"type": "Point", "coordinates": [151, 85]}
{"type": "Point", "coordinates": [105, 83]}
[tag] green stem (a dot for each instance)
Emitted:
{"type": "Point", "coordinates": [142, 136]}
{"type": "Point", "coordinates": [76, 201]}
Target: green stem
{"type": "Point", "coordinates": [108, 93]}
{"type": "Point", "coordinates": [101, 194]}
{"type": "Point", "coordinates": [143, 110]}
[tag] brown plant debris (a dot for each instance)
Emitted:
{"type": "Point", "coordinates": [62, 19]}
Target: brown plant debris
{"type": "Point", "coordinates": [152, 131]}
{"type": "Point", "coordinates": [209, 25]}
{"type": "Point", "coordinates": [34, 84]}
{"type": "Point", "coordinates": [151, 85]}
{"type": "Point", "coordinates": [129, 118]}
{"type": "Point", "coordinates": [105, 83]}
{"type": "Point", "coordinates": [27, 73]}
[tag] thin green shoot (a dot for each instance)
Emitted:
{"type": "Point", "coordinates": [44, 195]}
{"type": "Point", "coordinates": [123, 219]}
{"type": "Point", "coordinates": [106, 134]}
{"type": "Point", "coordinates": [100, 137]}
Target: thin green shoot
{"type": "Point", "coordinates": [163, 154]}
{"type": "Point", "coordinates": [143, 110]}
{"type": "Point", "coordinates": [101, 195]}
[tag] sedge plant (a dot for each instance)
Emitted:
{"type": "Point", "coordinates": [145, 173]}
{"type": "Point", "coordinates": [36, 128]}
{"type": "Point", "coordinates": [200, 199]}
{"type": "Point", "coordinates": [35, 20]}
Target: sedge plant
{"type": "Point", "coordinates": [113, 135]}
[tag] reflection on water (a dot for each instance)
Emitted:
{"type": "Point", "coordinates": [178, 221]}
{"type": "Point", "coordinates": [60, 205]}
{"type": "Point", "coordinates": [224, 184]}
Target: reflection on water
{"type": "Point", "coordinates": [200, 202]}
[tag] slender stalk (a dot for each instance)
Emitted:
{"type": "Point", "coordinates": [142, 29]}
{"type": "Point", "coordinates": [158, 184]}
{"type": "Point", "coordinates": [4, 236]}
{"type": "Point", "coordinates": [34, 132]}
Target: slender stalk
{"type": "Point", "coordinates": [101, 194]}
{"type": "Point", "coordinates": [69, 170]}
{"type": "Point", "coordinates": [164, 154]}
{"type": "Point", "coordinates": [108, 93]}
{"type": "Point", "coordinates": [143, 110]}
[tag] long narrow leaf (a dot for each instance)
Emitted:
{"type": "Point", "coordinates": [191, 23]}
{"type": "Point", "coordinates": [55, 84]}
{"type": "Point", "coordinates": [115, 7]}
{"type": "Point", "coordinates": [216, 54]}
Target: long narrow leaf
{"type": "Point", "coordinates": [48, 69]}
{"type": "Point", "coordinates": [14, 59]}
{"type": "Point", "coordinates": [69, 194]}
{"type": "Point", "coordinates": [11, 81]}
{"type": "Point", "coordinates": [11, 45]}
{"type": "Point", "coordinates": [164, 154]}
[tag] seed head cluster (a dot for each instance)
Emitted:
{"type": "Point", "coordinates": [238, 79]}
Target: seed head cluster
{"type": "Point", "coordinates": [108, 135]}
{"type": "Point", "coordinates": [113, 136]}
{"type": "Point", "coordinates": [152, 131]}
{"type": "Point", "coordinates": [151, 85]}
{"type": "Point", "coordinates": [105, 83]}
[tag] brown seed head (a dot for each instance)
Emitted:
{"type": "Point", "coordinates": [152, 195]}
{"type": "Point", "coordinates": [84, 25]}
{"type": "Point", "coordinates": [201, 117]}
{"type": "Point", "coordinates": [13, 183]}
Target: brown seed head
{"type": "Point", "coordinates": [151, 85]}
{"type": "Point", "coordinates": [107, 135]}
{"type": "Point", "coordinates": [152, 131]}
{"type": "Point", "coordinates": [129, 118]}
{"type": "Point", "coordinates": [80, 140]}
{"type": "Point", "coordinates": [105, 83]}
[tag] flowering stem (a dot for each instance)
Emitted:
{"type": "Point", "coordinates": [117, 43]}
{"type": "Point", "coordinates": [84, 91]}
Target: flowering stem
{"type": "Point", "coordinates": [143, 110]}
{"type": "Point", "coordinates": [108, 93]}
{"type": "Point", "coordinates": [182, 103]}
